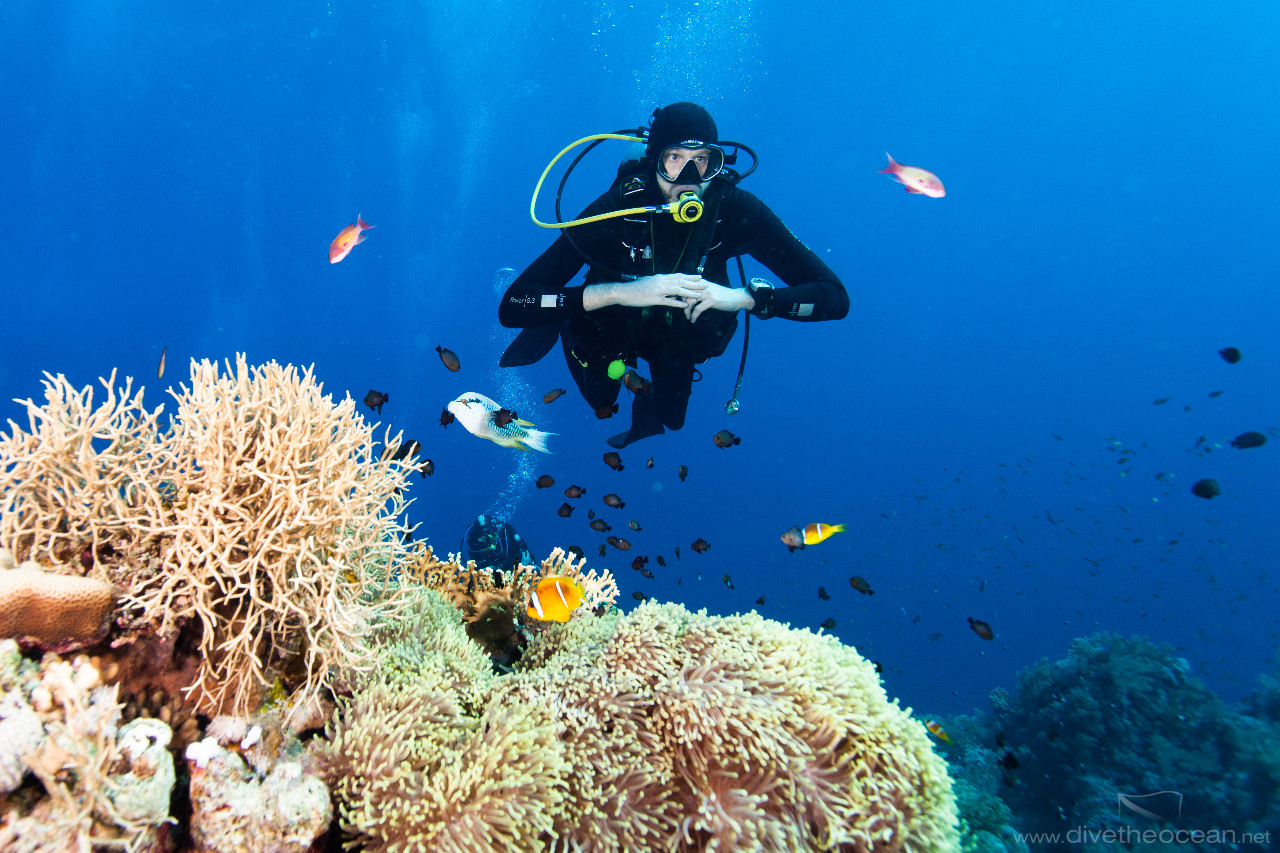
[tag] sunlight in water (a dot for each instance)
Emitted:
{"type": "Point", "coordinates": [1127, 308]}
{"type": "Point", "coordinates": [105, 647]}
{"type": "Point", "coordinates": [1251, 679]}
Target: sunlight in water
{"type": "Point", "coordinates": [516, 394]}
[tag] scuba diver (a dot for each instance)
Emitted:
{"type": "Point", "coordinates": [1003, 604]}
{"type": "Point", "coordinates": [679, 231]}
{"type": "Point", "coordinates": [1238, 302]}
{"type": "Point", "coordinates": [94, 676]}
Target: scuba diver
{"type": "Point", "coordinates": [657, 246]}
{"type": "Point", "coordinates": [494, 544]}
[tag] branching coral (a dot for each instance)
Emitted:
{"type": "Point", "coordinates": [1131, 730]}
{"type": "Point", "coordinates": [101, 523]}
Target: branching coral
{"type": "Point", "coordinates": [260, 520]}
{"type": "Point", "coordinates": [659, 730]}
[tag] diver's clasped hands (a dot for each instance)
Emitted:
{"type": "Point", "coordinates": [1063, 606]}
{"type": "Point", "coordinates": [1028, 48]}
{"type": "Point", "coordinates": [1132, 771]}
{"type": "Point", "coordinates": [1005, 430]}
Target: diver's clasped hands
{"type": "Point", "coordinates": [719, 297]}
{"type": "Point", "coordinates": [673, 290]}
{"type": "Point", "coordinates": [692, 294]}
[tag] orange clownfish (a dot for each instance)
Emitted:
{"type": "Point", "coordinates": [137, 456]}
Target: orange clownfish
{"type": "Point", "coordinates": [938, 731]}
{"type": "Point", "coordinates": [347, 239]}
{"type": "Point", "coordinates": [555, 598]}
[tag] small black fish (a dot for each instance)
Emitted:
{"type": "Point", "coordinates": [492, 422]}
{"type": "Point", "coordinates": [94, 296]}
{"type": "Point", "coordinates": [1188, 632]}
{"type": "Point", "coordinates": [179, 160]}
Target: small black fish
{"type": "Point", "coordinates": [1009, 761]}
{"type": "Point", "coordinates": [760, 601]}
{"type": "Point", "coordinates": [449, 358]}
{"type": "Point", "coordinates": [661, 560]}
{"type": "Point", "coordinates": [1206, 489]}
{"type": "Point", "coordinates": [823, 594]}
{"type": "Point", "coordinates": [375, 399]}
{"type": "Point", "coordinates": [1230, 355]}
{"type": "Point", "coordinates": [1249, 439]}
{"type": "Point", "coordinates": [576, 552]}
{"type": "Point", "coordinates": [828, 623]}
{"type": "Point", "coordinates": [497, 578]}
{"type": "Point", "coordinates": [982, 629]}
{"type": "Point", "coordinates": [639, 596]}
{"type": "Point", "coordinates": [728, 581]}
{"type": "Point", "coordinates": [645, 573]}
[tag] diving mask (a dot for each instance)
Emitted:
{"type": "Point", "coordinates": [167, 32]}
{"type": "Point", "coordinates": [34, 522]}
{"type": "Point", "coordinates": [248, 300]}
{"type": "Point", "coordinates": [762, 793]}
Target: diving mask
{"type": "Point", "coordinates": [690, 163]}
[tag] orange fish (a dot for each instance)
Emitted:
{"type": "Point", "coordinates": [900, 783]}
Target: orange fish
{"type": "Point", "coordinates": [553, 394]}
{"type": "Point", "coordinates": [938, 731]}
{"type": "Point", "coordinates": [917, 181]}
{"type": "Point", "coordinates": [819, 532]}
{"type": "Point", "coordinates": [607, 411]}
{"type": "Point", "coordinates": [347, 239]}
{"type": "Point", "coordinates": [618, 542]}
{"type": "Point", "coordinates": [555, 598]}
{"type": "Point", "coordinates": [636, 383]}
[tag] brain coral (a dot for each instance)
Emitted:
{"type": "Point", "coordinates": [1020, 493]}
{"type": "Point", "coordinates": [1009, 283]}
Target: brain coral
{"type": "Point", "coordinates": [658, 730]}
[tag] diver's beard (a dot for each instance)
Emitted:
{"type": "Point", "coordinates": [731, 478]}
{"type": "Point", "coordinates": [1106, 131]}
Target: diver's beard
{"type": "Point", "coordinates": [671, 192]}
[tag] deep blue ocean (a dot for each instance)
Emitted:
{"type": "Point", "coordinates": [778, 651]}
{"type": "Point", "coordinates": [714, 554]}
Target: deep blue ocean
{"type": "Point", "coordinates": [987, 421]}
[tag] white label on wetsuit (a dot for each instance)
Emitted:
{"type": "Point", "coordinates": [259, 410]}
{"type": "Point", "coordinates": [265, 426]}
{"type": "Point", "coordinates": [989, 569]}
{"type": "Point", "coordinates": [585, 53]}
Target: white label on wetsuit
{"type": "Point", "coordinates": [804, 309]}
{"type": "Point", "coordinates": [549, 300]}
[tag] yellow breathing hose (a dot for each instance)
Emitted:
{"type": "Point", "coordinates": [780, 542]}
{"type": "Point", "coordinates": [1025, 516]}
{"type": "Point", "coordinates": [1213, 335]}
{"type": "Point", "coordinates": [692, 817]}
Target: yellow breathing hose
{"type": "Point", "coordinates": [687, 209]}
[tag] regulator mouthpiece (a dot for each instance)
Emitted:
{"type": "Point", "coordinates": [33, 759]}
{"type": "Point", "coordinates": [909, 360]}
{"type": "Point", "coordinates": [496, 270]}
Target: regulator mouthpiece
{"type": "Point", "coordinates": [688, 208]}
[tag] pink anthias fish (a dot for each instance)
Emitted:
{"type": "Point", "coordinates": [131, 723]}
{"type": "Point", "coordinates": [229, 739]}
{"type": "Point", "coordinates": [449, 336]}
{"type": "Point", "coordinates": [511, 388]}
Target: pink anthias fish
{"type": "Point", "coordinates": [916, 180]}
{"type": "Point", "coordinates": [347, 240]}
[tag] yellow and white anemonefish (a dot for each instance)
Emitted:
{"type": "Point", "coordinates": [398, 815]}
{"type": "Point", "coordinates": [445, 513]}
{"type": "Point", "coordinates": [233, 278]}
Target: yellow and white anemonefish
{"type": "Point", "coordinates": [917, 181]}
{"type": "Point", "coordinates": [347, 240]}
{"type": "Point", "coordinates": [555, 598]}
{"type": "Point", "coordinates": [812, 534]}
{"type": "Point", "coordinates": [937, 730]}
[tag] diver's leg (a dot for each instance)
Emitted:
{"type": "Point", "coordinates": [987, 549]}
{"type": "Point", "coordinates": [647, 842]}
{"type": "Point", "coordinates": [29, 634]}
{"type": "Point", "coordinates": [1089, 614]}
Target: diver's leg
{"type": "Point", "coordinates": [592, 378]}
{"type": "Point", "coordinates": [664, 405]}
{"type": "Point", "coordinates": [672, 387]}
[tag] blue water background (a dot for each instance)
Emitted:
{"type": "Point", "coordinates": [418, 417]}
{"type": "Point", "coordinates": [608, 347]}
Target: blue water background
{"type": "Point", "coordinates": [984, 421]}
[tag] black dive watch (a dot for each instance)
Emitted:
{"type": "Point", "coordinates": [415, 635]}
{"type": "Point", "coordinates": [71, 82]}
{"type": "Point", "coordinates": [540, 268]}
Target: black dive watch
{"type": "Point", "coordinates": [761, 291]}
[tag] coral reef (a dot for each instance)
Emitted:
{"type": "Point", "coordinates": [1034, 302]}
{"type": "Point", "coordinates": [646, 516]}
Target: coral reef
{"type": "Point", "coordinates": [50, 610]}
{"type": "Point", "coordinates": [104, 784]}
{"type": "Point", "coordinates": [250, 792]}
{"type": "Point", "coordinates": [1118, 716]}
{"type": "Point", "coordinates": [493, 603]}
{"type": "Point", "coordinates": [658, 730]}
{"type": "Point", "coordinates": [254, 532]}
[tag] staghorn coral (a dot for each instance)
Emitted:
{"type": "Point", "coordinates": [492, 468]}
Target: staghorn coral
{"type": "Point", "coordinates": [658, 730]}
{"type": "Point", "coordinates": [55, 612]}
{"type": "Point", "coordinates": [259, 524]}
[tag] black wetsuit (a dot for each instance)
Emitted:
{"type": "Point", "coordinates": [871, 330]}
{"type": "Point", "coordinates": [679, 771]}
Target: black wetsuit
{"type": "Point", "coordinates": [734, 223]}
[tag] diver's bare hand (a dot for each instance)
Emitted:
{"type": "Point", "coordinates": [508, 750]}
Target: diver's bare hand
{"type": "Point", "coordinates": [672, 290]}
{"type": "Point", "coordinates": [719, 297]}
